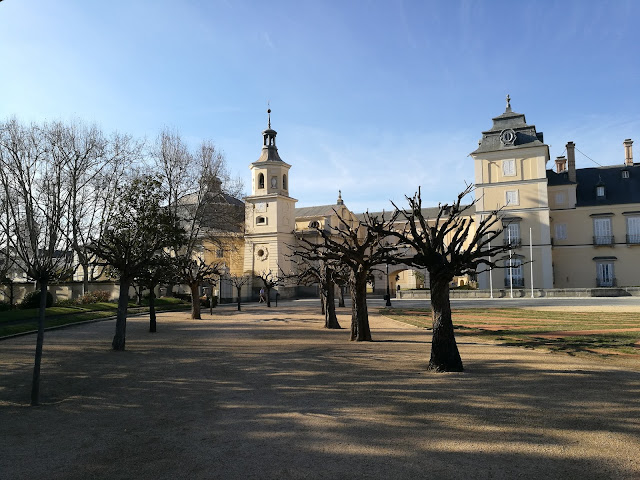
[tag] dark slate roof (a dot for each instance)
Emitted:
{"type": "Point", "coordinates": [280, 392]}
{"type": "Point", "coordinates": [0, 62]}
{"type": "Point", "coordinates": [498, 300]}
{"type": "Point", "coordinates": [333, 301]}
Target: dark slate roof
{"type": "Point", "coordinates": [430, 212]}
{"type": "Point", "coordinates": [526, 135]}
{"type": "Point", "coordinates": [618, 190]}
{"type": "Point", "coordinates": [317, 211]}
{"type": "Point", "coordinates": [554, 178]}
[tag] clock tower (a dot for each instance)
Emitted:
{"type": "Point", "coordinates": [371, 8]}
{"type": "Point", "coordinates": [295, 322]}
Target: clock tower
{"type": "Point", "coordinates": [269, 215]}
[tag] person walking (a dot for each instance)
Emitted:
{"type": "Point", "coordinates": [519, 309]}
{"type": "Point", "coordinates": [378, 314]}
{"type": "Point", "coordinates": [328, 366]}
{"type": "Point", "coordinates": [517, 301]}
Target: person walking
{"type": "Point", "coordinates": [262, 299]}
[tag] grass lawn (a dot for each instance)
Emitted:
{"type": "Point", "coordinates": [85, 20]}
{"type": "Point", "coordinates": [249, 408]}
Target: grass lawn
{"type": "Point", "coordinates": [19, 321]}
{"type": "Point", "coordinates": [596, 333]}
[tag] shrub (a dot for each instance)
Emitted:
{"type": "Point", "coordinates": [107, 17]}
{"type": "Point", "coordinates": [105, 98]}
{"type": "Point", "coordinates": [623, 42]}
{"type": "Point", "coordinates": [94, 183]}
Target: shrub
{"type": "Point", "coordinates": [66, 303]}
{"type": "Point", "coordinates": [32, 300]}
{"type": "Point", "coordinates": [183, 296]}
{"type": "Point", "coordinates": [4, 306]}
{"type": "Point", "coordinates": [95, 297]}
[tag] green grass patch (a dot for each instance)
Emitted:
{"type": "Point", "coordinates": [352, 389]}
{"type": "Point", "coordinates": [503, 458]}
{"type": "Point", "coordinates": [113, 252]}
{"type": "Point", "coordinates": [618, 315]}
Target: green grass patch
{"type": "Point", "coordinates": [599, 333]}
{"type": "Point", "coordinates": [19, 321]}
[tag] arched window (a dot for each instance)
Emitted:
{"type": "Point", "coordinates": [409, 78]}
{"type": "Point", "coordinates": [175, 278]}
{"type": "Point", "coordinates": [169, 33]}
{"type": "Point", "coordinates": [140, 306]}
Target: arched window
{"type": "Point", "coordinates": [284, 181]}
{"type": "Point", "coordinates": [314, 224]}
{"type": "Point", "coordinates": [261, 180]}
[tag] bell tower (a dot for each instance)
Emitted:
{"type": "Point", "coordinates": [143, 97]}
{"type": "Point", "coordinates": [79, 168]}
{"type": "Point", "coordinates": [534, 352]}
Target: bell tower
{"type": "Point", "coordinates": [270, 213]}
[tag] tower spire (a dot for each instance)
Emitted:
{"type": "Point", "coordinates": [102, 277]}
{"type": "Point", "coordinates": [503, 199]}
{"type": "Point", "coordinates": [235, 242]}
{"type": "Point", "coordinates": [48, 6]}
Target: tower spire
{"type": "Point", "coordinates": [508, 109]}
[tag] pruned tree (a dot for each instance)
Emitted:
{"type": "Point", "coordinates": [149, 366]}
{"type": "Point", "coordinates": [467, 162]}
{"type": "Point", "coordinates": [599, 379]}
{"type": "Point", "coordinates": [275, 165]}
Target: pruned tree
{"type": "Point", "coordinates": [140, 228]}
{"type": "Point", "coordinates": [359, 246]}
{"type": "Point", "coordinates": [270, 280]}
{"type": "Point", "coordinates": [312, 270]}
{"type": "Point", "coordinates": [35, 219]}
{"type": "Point", "coordinates": [238, 282]}
{"type": "Point", "coordinates": [447, 246]}
{"type": "Point", "coordinates": [7, 254]}
{"type": "Point", "coordinates": [200, 193]}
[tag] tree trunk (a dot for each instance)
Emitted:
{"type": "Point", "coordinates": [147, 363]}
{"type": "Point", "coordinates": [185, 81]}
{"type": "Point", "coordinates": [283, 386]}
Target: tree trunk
{"type": "Point", "coordinates": [359, 316]}
{"type": "Point", "coordinates": [330, 319]}
{"type": "Point", "coordinates": [35, 382]}
{"type": "Point", "coordinates": [444, 350]}
{"type": "Point", "coordinates": [239, 290]}
{"type": "Point", "coordinates": [85, 278]}
{"type": "Point", "coordinates": [139, 289]}
{"type": "Point", "coordinates": [341, 296]}
{"type": "Point", "coordinates": [152, 309]}
{"type": "Point", "coordinates": [195, 300]}
{"type": "Point", "coordinates": [121, 319]}
{"type": "Point", "coordinates": [323, 301]}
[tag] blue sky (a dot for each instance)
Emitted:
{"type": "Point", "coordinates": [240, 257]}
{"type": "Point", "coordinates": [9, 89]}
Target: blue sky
{"type": "Point", "coordinates": [371, 97]}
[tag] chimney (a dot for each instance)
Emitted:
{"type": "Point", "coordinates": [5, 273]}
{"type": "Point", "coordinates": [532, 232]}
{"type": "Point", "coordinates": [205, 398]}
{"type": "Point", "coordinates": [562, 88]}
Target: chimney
{"type": "Point", "coordinates": [561, 164]}
{"type": "Point", "coordinates": [628, 152]}
{"type": "Point", "coordinates": [571, 160]}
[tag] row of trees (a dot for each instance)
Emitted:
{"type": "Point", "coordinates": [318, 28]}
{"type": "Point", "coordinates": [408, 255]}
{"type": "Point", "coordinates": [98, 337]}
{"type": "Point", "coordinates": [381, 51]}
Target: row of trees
{"type": "Point", "coordinates": [447, 246]}
{"type": "Point", "coordinates": [74, 197]}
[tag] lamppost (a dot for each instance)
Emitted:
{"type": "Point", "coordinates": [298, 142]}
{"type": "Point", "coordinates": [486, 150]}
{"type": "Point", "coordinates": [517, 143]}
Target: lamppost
{"type": "Point", "coordinates": [388, 304]}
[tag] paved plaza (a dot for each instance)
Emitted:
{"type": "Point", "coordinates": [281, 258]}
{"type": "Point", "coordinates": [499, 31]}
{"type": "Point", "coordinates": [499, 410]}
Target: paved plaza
{"type": "Point", "coordinates": [270, 394]}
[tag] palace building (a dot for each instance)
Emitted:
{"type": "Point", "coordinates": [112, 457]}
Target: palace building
{"type": "Point", "coordinates": [568, 227]}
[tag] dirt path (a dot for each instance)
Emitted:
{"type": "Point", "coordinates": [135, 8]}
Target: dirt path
{"type": "Point", "coordinates": [271, 394]}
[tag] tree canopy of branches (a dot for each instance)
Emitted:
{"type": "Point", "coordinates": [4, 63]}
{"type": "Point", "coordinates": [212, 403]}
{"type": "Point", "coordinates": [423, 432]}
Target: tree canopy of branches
{"type": "Point", "coordinates": [359, 246]}
{"type": "Point", "coordinates": [238, 281]}
{"type": "Point", "coordinates": [447, 246]}
{"type": "Point", "coordinates": [140, 228]}
{"type": "Point", "coordinates": [322, 272]}
{"type": "Point", "coordinates": [34, 220]}
{"type": "Point", "coordinates": [94, 167]}
{"type": "Point", "coordinates": [270, 280]}
{"type": "Point", "coordinates": [198, 188]}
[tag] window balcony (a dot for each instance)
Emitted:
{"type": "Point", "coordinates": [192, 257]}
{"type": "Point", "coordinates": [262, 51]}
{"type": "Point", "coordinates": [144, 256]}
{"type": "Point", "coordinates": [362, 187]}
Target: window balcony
{"type": "Point", "coordinates": [633, 239]}
{"type": "Point", "coordinates": [603, 240]}
{"type": "Point", "coordinates": [513, 243]}
{"type": "Point", "coordinates": [606, 282]}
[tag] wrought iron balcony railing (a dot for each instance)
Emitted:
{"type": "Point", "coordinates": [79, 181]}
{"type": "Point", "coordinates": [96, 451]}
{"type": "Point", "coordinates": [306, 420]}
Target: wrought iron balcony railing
{"type": "Point", "coordinates": [517, 282]}
{"type": "Point", "coordinates": [513, 243]}
{"type": "Point", "coordinates": [633, 239]}
{"type": "Point", "coordinates": [603, 240]}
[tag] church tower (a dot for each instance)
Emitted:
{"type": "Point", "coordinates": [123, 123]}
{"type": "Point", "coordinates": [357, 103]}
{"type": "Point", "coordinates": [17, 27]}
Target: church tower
{"type": "Point", "coordinates": [510, 174]}
{"type": "Point", "coordinates": [269, 215]}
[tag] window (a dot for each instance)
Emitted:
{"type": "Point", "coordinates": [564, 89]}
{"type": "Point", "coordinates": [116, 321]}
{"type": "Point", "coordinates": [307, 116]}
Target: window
{"type": "Point", "coordinates": [633, 230]}
{"type": "Point", "coordinates": [261, 180]}
{"type": "Point", "coordinates": [602, 231]}
{"type": "Point", "coordinates": [560, 198]}
{"type": "Point", "coordinates": [219, 253]}
{"type": "Point", "coordinates": [511, 197]}
{"type": "Point", "coordinates": [600, 191]}
{"type": "Point", "coordinates": [604, 274]}
{"type": "Point", "coordinates": [509, 168]}
{"type": "Point", "coordinates": [625, 173]}
{"type": "Point", "coordinates": [513, 274]}
{"type": "Point", "coordinates": [261, 221]}
{"type": "Point", "coordinates": [512, 233]}
{"type": "Point", "coordinates": [561, 231]}
{"type": "Point", "coordinates": [284, 182]}
{"type": "Point", "coordinates": [314, 224]}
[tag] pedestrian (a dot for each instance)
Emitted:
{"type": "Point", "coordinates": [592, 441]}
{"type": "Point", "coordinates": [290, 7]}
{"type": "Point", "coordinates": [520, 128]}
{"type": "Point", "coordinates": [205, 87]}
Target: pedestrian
{"type": "Point", "coordinates": [262, 299]}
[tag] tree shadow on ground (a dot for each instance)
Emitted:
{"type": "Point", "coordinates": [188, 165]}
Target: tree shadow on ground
{"type": "Point", "coordinates": [230, 399]}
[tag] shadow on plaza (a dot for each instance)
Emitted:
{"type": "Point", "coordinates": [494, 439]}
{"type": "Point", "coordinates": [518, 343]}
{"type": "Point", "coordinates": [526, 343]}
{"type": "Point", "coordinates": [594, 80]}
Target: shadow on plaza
{"type": "Point", "coordinates": [221, 400]}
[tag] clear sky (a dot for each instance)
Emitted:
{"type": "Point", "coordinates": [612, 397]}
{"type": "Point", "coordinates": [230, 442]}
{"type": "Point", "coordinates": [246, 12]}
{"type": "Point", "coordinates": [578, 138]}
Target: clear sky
{"type": "Point", "coordinates": [371, 97]}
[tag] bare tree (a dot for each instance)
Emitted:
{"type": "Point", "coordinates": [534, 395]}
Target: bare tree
{"type": "Point", "coordinates": [358, 246]}
{"type": "Point", "coordinates": [447, 246]}
{"type": "Point", "coordinates": [35, 219]}
{"type": "Point", "coordinates": [238, 282]}
{"type": "Point", "coordinates": [94, 167]}
{"type": "Point", "coordinates": [270, 280]}
{"type": "Point", "coordinates": [160, 269]}
{"type": "Point", "coordinates": [200, 195]}
{"type": "Point", "coordinates": [312, 269]}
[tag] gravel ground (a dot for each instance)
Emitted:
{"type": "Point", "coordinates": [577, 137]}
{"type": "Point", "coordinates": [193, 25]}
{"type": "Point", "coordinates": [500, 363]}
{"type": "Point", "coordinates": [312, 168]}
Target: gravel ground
{"type": "Point", "coordinates": [270, 394]}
